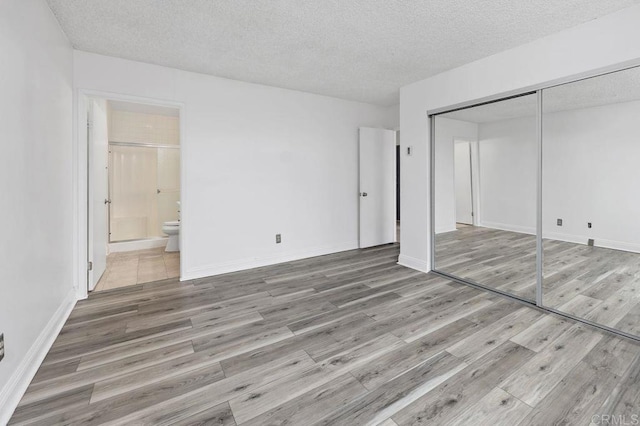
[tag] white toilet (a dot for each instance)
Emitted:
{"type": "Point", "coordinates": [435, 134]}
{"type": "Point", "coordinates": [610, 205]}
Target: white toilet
{"type": "Point", "coordinates": [172, 229]}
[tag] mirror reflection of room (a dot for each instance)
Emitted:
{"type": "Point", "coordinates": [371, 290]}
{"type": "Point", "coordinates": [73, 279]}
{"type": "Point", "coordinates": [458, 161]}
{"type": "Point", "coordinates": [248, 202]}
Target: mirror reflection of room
{"type": "Point", "coordinates": [591, 176]}
{"type": "Point", "coordinates": [485, 195]}
{"type": "Point", "coordinates": [486, 161]}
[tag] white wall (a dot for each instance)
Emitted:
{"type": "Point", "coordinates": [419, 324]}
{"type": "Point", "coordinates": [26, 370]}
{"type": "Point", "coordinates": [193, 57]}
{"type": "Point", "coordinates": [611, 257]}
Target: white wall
{"type": "Point", "coordinates": [508, 172]}
{"type": "Point", "coordinates": [597, 44]}
{"type": "Point", "coordinates": [590, 174]}
{"type": "Point", "coordinates": [36, 282]}
{"type": "Point", "coordinates": [447, 131]}
{"type": "Point", "coordinates": [393, 116]}
{"type": "Point", "coordinates": [257, 161]}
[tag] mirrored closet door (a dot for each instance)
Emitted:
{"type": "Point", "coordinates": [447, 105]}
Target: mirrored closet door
{"type": "Point", "coordinates": [591, 199]}
{"type": "Point", "coordinates": [537, 196]}
{"type": "Point", "coordinates": [485, 194]}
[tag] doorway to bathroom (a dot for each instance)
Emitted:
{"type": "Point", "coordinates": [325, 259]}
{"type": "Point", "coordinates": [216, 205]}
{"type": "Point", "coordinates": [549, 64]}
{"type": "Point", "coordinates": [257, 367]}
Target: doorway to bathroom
{"type": "Point", "coordinates": [133, 192]}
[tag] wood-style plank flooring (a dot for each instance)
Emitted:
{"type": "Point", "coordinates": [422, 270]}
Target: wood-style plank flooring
{"type": "Point", "coordinates": [501, 260]}
{"type": "Point", "coordinates": [598, 284]}
{"type": "Point", "coordinates": [345, 339]}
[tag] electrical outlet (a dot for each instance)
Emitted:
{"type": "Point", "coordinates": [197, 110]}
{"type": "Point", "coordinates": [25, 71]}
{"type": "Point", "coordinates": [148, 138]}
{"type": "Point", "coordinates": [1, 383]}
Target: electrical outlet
{"type": "Point", "coordinates": [590, 243]}
{"type": "Point", "coordinates": [559, 222]}
{"type": "Point", "coordinates": [589, 225]}
{"type": "Point", "coordinates": [1, 346]}
{"type": "Point", "coordinates": [278, 238]}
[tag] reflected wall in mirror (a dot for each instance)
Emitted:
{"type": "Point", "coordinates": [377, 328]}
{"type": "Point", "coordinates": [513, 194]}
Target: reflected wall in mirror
{"type": "Point", "coordinates": [485, 191]}
{"type": "Point", "coordinates": [591, 203]}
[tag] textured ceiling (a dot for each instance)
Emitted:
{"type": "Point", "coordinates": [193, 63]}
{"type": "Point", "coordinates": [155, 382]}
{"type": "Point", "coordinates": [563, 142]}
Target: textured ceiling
{"type": "Point", "coordinates": [618, 87]}
{"type": "Point", "coordinates": [362, 50]}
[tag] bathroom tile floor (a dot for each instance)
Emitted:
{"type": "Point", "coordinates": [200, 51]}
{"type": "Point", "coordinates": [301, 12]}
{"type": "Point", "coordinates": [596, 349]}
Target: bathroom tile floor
{"type": "Point", "coordinates": [140, 266]}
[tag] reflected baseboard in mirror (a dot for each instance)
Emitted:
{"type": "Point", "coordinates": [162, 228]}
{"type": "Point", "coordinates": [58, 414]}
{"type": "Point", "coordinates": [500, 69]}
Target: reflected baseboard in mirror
{"type": "Point", "coordinates": [598, 284]}
{"type": "Point", "coordinates": [557, 168]}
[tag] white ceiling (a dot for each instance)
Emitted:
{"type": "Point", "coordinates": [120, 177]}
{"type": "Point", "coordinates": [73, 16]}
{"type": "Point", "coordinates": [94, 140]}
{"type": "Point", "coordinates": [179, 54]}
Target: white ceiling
{"type": "Point", "coordinates": [362, 50]}
{"type": "Point", "coordinates": [618, 87]}
{"type": "Point", "coordinates": [144, 108]}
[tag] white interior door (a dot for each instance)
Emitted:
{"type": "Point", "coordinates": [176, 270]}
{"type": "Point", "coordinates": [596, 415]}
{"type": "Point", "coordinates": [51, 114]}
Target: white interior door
{"type": "Point", "coordinates": [377, 186]}
{"type": "Point", "coordinates": [464, 196]}
{"type": "Point", "coordinates": [98, 194]}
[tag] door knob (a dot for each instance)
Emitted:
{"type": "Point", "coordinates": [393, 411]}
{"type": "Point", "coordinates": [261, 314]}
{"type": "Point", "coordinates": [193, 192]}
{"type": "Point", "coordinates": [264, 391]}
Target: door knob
{"type": "Point", "coordinates": [364, 194]}
{"type": "Point", "coordinates": [107, 201]}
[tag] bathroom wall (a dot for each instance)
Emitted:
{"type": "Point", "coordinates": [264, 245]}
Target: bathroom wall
{"type": "Point", "coordinates": [36, 253]}
{"type": "Point", "coordinates": [127, 126]}
{"type": "Point", "coordinates": [257, 161]}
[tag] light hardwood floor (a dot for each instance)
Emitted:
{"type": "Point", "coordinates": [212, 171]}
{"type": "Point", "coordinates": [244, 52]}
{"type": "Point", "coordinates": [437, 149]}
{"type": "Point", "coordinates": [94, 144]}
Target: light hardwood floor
{"type": "Point", "coordinates": [501, 260]}
{"type": "Point", "coordinates": [137, 267]}
{"type": "Point", "coordinates": [598, 284]}
{"type": "Point", "coordinates": [345, 339]}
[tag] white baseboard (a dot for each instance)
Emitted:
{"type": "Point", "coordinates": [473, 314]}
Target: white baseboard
{"type": "Point", "coordinates": [138, 245]}
{"type": "Point", "coordinates": [568, 238]}
{"type": "Point", "coordinates": [443, 230]}
{"type": "Point", "coordinates": [12, 391]}
{"type": "Point", "coordinates": [509, 227]}
{"type": "Point", "coordinates": [413, 263]}
{"type": "Point", "coordinates": [256, 262]}
{"type": "Point", "coordinates": [599, 242]}
{"type": "Point", "coordinates": [617, 245]}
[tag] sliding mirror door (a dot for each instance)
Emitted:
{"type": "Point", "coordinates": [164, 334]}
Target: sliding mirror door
{"type": "Point", "coordinates": [485, 191]}
{"type": "Point", "coordinates": [591, 199]}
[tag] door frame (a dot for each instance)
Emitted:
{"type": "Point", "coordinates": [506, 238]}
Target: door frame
{"type": "Point", "coordinates": [81, 189]}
